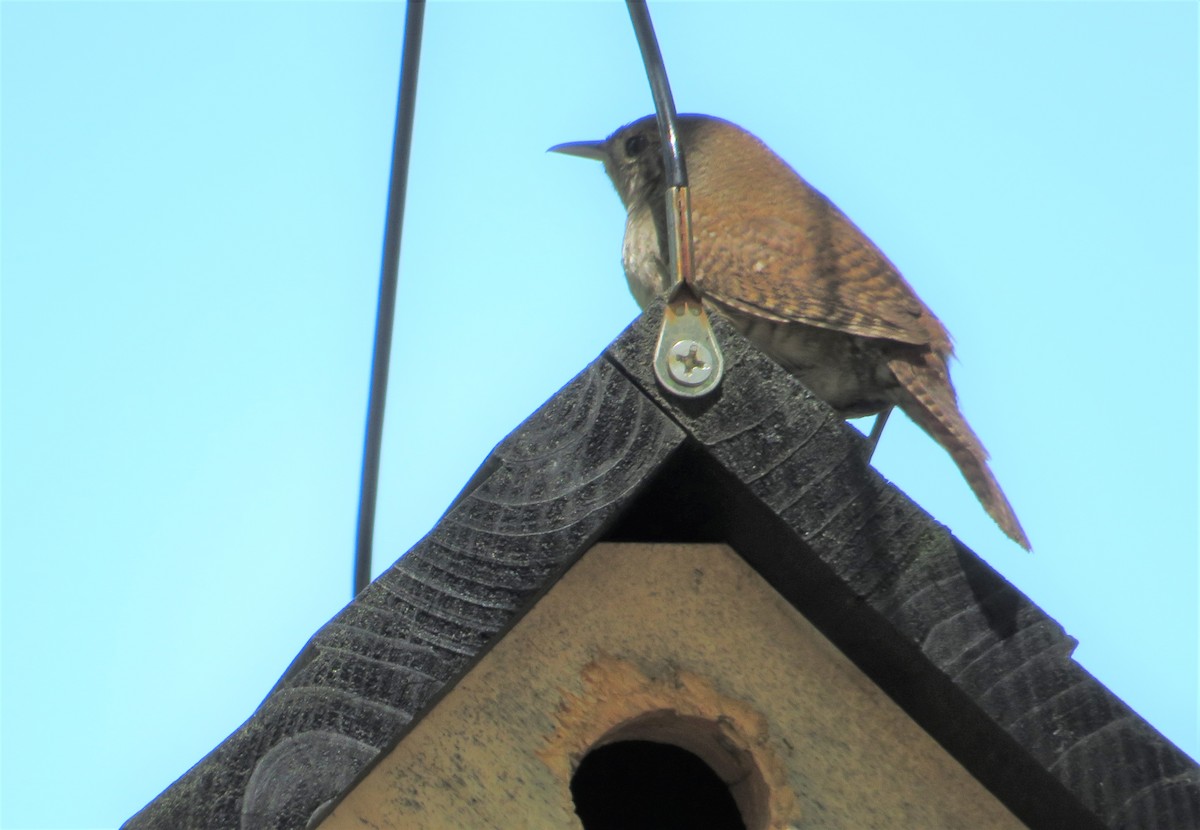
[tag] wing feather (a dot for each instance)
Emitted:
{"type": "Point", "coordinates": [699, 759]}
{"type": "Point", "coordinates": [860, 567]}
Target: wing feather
{"type": "Point", "coordinates": [785, 252]}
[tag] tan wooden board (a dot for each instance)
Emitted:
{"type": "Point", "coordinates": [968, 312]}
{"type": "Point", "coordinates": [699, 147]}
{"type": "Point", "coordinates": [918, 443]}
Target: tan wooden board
{"type": "Point", "coordinates": [684, 644]}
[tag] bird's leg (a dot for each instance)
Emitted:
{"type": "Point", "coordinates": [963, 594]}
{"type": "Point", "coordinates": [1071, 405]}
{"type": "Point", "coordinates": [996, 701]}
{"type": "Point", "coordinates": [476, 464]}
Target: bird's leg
{"type": "Point", "coordinates": [876, 431]}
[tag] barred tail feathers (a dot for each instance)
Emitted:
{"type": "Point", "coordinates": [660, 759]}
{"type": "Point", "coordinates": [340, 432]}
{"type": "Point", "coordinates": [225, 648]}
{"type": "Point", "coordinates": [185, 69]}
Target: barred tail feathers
{"type": "Point", "coordinates": [927, 397]}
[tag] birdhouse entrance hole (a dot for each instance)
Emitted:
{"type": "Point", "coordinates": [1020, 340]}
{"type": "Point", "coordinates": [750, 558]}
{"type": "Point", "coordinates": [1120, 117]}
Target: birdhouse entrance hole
{"type": "Point", "coordinates": [644, 784]}
{"type": "Point", "coordinates": [661, 769]}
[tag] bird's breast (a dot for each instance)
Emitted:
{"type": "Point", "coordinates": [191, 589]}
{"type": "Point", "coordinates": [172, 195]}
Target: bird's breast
{"type": "Point", "coordinates": [642, 257]}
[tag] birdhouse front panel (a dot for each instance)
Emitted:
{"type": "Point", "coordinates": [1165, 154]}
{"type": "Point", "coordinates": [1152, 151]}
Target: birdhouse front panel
{"type": "Point", "coordinates": [677, 646]}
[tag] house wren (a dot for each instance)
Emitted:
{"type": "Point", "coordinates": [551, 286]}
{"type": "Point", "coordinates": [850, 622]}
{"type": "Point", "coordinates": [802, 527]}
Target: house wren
{"type": "Point", "coordinates": [797, 278]}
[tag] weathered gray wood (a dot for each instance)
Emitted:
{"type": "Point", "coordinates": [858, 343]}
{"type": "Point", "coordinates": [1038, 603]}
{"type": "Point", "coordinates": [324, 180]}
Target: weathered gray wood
{"type": "Point", "coordinates": [554, 485]}
{"type": "Point", "coordinates": [985, 671]}
{"type": "Point", "coordinates": [765, 467]}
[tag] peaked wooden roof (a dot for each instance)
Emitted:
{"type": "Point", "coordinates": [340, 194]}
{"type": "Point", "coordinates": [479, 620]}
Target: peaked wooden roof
{"type": "Point", "coordinates": [775, 473]}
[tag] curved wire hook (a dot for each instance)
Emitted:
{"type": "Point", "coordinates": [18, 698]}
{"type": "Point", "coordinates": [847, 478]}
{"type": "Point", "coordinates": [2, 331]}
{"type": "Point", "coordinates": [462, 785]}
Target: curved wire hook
{"type": "Point", "coordinates": [678, 203]}
{"type": "Point", "coordinates": [688, 360]}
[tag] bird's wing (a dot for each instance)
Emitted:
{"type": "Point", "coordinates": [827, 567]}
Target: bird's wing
{"type": "Point", "coordinates": [809, 266]}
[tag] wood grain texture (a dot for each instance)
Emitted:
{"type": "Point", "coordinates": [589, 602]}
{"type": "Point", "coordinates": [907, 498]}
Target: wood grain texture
{"type": "Point", "coordinates": [764, 466]}
{"type": "Point", "coordinates": [968, 656]}
{"type": "Point", "coordinates": [554, 485]}
{"type": "Point", "coordinates": [678, 643]}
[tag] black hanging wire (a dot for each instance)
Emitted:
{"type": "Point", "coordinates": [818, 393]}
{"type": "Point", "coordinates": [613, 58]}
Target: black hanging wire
{"type": "Point", "coordinates": [678, 203]}
{"type": "Point", "coordinates": [676, 170]}
{"type": "Point", "coordinates": [384, 316]}
{"type": "Point", "coordinates": [664, 104]}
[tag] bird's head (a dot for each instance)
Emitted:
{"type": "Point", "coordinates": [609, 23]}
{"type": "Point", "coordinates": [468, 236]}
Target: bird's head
{"type": "Point", "coordinates": [632, 157]}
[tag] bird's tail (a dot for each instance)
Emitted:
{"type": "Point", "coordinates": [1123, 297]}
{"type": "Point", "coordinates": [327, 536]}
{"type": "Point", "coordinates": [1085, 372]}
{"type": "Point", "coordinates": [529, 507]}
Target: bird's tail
{"type": "Point", "coordinates": [927, 397]}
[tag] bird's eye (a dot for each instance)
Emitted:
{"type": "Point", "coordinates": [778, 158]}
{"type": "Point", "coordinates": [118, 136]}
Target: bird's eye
{"type": "Point", "coordinates": [635, 144]}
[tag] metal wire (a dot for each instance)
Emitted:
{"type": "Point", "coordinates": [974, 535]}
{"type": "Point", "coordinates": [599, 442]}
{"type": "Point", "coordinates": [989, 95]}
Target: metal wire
{"type": "Point", "coordinates": [664, 104]}
{"type": "Point", "coordinates": [676, 171]}
{"type": "Point", "coordinates": [385, 313]}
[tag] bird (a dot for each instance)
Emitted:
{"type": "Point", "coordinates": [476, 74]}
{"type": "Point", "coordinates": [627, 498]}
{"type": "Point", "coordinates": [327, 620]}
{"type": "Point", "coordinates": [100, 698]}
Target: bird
{"type": "Point", "coordinates": [797, 278]}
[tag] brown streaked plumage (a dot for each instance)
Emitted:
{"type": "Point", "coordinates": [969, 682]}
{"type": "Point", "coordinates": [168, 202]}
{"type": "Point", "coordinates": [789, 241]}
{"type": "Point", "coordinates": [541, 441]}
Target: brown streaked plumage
{"type": "Point", "coordinates": [798, 279]}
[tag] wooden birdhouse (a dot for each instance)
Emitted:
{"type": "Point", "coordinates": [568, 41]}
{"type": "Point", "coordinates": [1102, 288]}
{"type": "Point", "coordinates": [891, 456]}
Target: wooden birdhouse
{"type": "Point", "coordinates": [648, 612]}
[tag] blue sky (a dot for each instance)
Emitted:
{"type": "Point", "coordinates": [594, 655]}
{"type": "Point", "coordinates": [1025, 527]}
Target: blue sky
{"type": "Point", "coordinates": [192, 206]}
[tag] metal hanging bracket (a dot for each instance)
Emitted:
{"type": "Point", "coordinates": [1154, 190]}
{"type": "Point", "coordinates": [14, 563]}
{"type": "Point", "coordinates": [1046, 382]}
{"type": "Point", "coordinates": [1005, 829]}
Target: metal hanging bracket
{"type": "Point", "coordinates": [687, 360]}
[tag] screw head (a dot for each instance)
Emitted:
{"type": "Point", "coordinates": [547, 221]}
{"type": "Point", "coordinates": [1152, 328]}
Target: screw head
{"type": "Point", "coordinates": [690, 362]}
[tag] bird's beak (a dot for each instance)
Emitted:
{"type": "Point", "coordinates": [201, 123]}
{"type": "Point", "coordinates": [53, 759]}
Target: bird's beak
{"type": "Point", "coordinates": [584, 149]}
